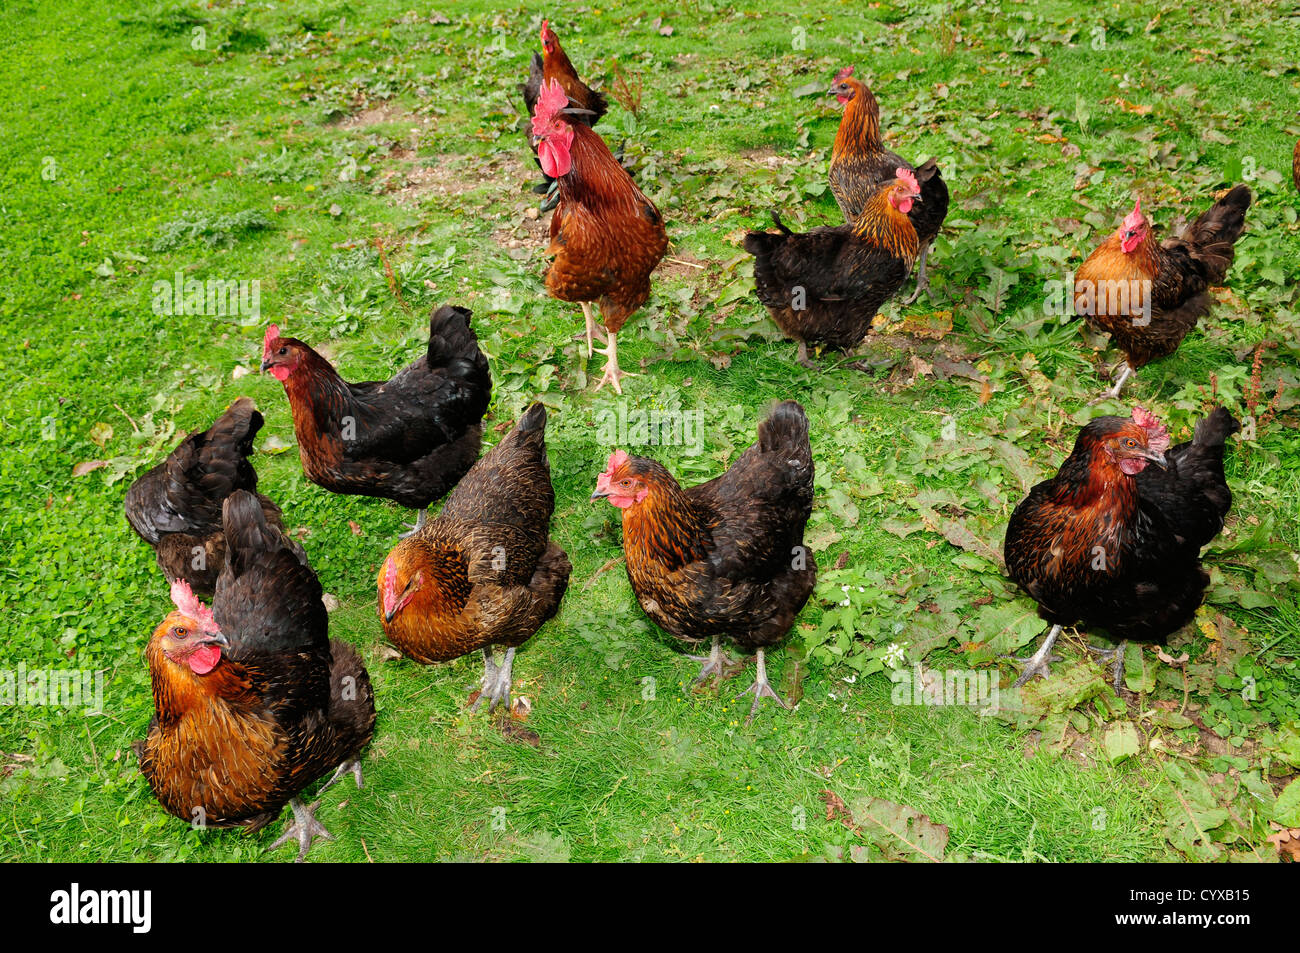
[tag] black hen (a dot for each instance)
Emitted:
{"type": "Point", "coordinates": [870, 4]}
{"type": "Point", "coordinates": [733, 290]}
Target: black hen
{"type": "Point", "coordinates": [1115, 543]}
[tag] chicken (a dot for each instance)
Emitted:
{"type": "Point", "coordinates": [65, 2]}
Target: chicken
{"type": "Point", "coordinates": [176, 506]}
{"type": "Point", "coordinates": [588, 105]}
{"type": "Point", "coordinates": [409, 439]}
{"type": "Point", "coordinates": [1149, 295]}
{"type": "Point", "coordinates": [860, 162]}
{"type": "Point", "coordinates": [484, 571]}
{"type": "Point", "coordinates": [253, 702]}
{"type": "Point", "coordinates": [725, 558]}
{"type": "Point", "coordinates": [606, 236]}
{"type": "Point", "coordinates": [1114, 543]}
{"type": "Point", "coordinates": [824, 286]}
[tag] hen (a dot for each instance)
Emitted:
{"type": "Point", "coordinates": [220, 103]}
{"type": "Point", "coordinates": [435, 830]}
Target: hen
{"type": "Point", "coordinates": [409, 439]}
{"type": "Point", "coordinates": [860, 162]}
{"type": "Point", "coordinates": [553, 63]}
{"type": "Point", "coordinates": [176, 506]}
{"type": "Point", "coordinates": [484, 572]}
{"type": "Point", "coordinates": [1148, 295]}
{"type": "Point", "coordinates": [606, 236]}
{"type": "Point", "coordinates": [824, 286]}
{"type": "Point", "coordinates": [725, 558]}
{"type": "Point", "coordinates": [1111, 542]}
{"type": "Point", "coordinates": [252, 701]}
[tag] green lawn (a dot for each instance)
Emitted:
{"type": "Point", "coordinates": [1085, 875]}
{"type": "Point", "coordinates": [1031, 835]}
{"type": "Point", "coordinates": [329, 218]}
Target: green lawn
{"type": "Point", "coordinates": [288, 143]}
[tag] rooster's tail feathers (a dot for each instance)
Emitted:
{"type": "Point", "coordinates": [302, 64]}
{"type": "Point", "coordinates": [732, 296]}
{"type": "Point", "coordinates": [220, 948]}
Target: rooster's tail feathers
{"type": "Point", "coordinates": [241, 422]}
{"type": "Point", "coordinates": [533, 419]}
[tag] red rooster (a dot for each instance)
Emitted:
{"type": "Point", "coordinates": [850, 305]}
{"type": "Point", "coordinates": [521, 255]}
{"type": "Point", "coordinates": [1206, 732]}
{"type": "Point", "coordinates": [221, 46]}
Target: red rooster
{"type": "Point", "coordinates": [253, 702]}
{"type": "Point", "coordinates": [484, 572]}
{"type": "Point", "coordinates": [824, 286]}
{"type": "Point", "coordinates": [409, 439]}
{"type": "Point", "coordinates": [725, 558]}
{"type": "Point", "coordinates": [176, 506]}
{"type": "Point", "coordinates": [860, 163]}
{"type": "Point", "coordinates": [1112, 543]}
{"type": "Point", "coordinates": [606, 236]}
{"type": "Point", "coordinates": [1148, 295]}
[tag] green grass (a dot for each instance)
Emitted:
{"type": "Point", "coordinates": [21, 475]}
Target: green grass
{"type": "Point", "coordinates": [295, 135]}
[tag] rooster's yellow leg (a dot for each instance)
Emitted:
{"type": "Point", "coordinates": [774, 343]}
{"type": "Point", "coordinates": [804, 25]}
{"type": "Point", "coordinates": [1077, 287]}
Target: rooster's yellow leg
{"type": "Point", "coordinates": [612, 374]}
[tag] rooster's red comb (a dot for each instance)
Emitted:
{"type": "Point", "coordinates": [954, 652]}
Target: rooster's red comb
{"type": "Point", "coordinates": [1157, 435]}
{"type": "Point", "coordinates": [615, 461]}
{"type": "Point", "coordinates": [188, 603]}
{"type": "Point", "coordinates": [272, 335]}
{"type": "Point", "coordinates": [844, 74]}
{"type": "Point", "coordinates": [1135, 217]}
{"type": "Point", "coordinates": [550, 102]}
{"type": "Point", "coordinates": [908, 179]}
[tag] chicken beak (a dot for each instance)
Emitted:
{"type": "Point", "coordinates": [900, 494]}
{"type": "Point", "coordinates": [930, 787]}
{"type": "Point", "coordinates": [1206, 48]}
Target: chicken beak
{"type": "Point", "coordinates": [266, 366]}
{"type": "Point", "coordinates": [1156, 457]}
{"type": "Point", "coordinates": [388, 615]}
{"type": "Point", "coordinates": [599, 494]}
{"type": "Point", "coordinates": [216, 638]}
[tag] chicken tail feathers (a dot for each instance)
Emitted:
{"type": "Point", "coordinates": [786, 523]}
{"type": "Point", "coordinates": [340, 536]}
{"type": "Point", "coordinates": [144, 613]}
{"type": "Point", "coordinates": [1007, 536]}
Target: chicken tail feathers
{"type": "Point", "coordinates": [786, 431]}
{"type": "Point", "coordinates": [1213, 235]}
{"type": "Point", "coordinates": [533, 419]}
{"type": "Point", "coordinates": [1214, 429]}
{"type": "Point", "coordinates": [247, 532]}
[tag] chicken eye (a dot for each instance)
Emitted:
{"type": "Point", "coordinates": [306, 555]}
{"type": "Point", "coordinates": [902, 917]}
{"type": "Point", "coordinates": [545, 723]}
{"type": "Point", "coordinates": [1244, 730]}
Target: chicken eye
{"type": "Point", "coordinates": [283, 351]}
{"type": "Point", "coordinates": [180, 632]}
{"type": "Point", "coordinates": [1130, 443]}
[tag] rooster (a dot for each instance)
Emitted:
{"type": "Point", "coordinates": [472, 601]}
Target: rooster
{"type": "Point", "coordinates": [1148, 295]}
{"type": "Point", "coordinates": [725, 558]}
{"type": "Point", "coordinates": [860, 162]}
{"type": "Point", "coordinates": [253, 702]}
{"type": "Point", "coordinates": [588, 104]}
{"type": "Point", "coordinates": [824, 286]}
{"type": "Point", "coordinates": [176, 506]}
{"type": "Point", "coordinates": [606, 236]}
{"type": "Point", "coordinates": [484, 572]}
{"type": "Point", "coordinates": [409, 439]}
{"type": "Point", "coordinates": [1113, 543]}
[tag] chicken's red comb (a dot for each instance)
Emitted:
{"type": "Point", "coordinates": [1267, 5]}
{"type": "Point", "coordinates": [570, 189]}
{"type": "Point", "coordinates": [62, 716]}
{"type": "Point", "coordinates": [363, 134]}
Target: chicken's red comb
{"type": "Point", "coordinates": [550, 101]}
{"type": "Point", "coordinates": [616, 460]}
{"type": "Point", "coordinates": [1157, 435]}
{"type": "Point", "coordinates": [272, 335]}
{"type": "Point", "coordinates": [908, 179]}
{"type": "Point", "coordinates": [546, 28]}
{"type": "Point", "coordinates": [188, 603]}
{"type": "Point", "coordinates": [1135, 217]}
{"type": "Point", "coordinates": [390, 583]}
{"type": "Point", "coordinates": [844, 74]}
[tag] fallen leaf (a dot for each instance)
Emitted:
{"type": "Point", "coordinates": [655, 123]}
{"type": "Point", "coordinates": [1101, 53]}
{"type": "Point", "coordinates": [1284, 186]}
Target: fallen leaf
{"type": "Point", "coordinates": [81, 469]}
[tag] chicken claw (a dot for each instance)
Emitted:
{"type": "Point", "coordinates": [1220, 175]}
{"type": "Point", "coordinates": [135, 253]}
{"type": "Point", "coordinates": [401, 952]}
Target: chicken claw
{"type": "Point", "coordinates": [760, 689]}
{"type": "Point", "coordinates": [1112, 393]}
{"type": "Point", "coordinates": [496, 681]}
{"type": "Point", "coordinates": [304, 828]}
{"type": "Point", "coordinates": [1039, 663]}
{"type": "Point", "coordinates": [1117, 669]}
{"type": "Point", "coordinates": [353, 766]}
{"type": "Point", "coordinates": [420, 519]}
{"type": "Point", "coordinates": [716, 665]}
{"type": "Point", "coordinates": [922, 282]}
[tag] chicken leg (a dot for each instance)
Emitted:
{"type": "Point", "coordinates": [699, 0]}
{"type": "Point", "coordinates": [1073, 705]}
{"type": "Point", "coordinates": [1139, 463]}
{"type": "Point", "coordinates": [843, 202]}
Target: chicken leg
{"type": "Point", "coordinates": [803, 358]}
{"type": "Point", "coordinates": [304, 828]}
{"type": "Point", "coordinates": [353, 766]}
{"type": "Point", "coordinates": [496, 681]}
{"type": "Point", "coordinates": [716, 664]}
{"type": "Point", "coordinates": [421, 517]}
{"type": "Point", "coordinates": [1117, 669]}
{"type": "Point", "coordinates": [1039, 663]}
{"type": "Point", "coordinates": [612, 373]}
{"type": "Point", "coordinates": [760, 689]}
{"type": "Point", "coordinates": [1112, 393]}
{"type": "Point", "coordinates": [593, 329]}
{"type": "Point", "coordinates": [922, 283]}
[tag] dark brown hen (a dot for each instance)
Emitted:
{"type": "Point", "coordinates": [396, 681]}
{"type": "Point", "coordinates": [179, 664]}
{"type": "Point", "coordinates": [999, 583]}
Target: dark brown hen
{"type": "Point", "coordinates": [823, 287]}
{"type": "Point", "coordinates": [408, 439]}
{"type": "Point", "coordinates": [860, 163]}
{"type": "Point", "coordinates": [176, 506]}
{"type": "Point", "coordinates": [253, 702]}
{"type": "Point", "coordinates": [724, 559]}
{"type": "Point", "coordinates": [484, 572]}
{"type": "Point", "coordinates": [1148, 295]}
{"type": "Point", "coordinates": [1115, 543]}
